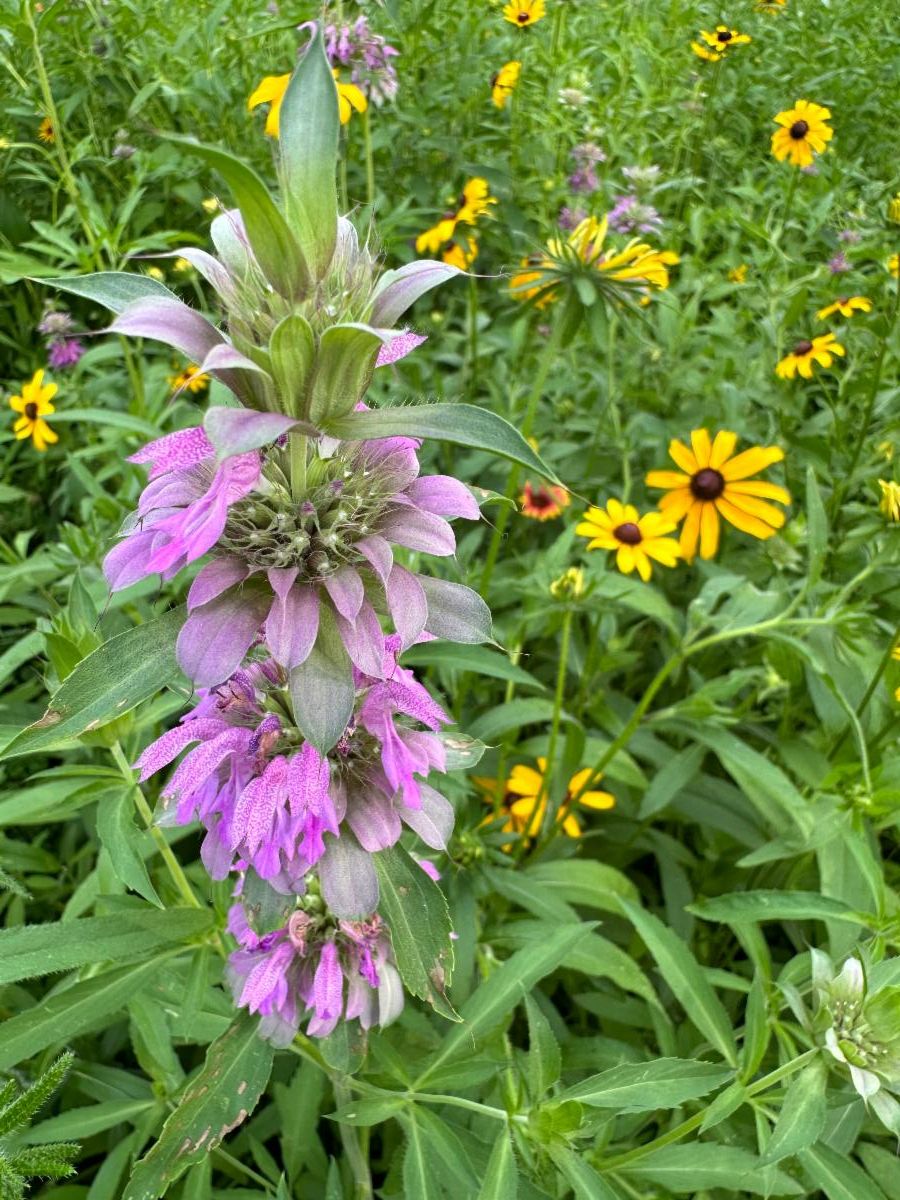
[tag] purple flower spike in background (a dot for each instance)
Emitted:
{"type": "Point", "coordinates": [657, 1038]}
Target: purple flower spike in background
{"type": "Point", "coordinates": [64, 353]}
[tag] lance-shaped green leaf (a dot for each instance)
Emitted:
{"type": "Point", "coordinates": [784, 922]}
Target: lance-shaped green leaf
{"type": "Point", "coordinates": [464, 424]}
{"type": "Point", "coordinates": [643, 1087]}
{"type": "Point", "coordinates": [419, 922]}
{"type": "Point", "coordinates": [398, 290]}
{"type": "Point", "coordinates": [682, 973]}
{"type": "Point", "coordinates": [292, 350]}
{"type": "Point", "coordinates": [308, 142]}
{"type": "Point", "coordinates": [803, 1114]}
{"type": "Point", "coordinates": [277, 250]}
{"type": "Point", "coordinates": [220, 1098]}
{"type": "Point", "coordinates": [344, 364]}
{"type": "Point", "coordinates": [29, 950]}
{"type": "Point", "coordinates": [108, 683]}
{"type": "Point", "coordinates": [322, 690]}
{"type": "Point", "coordinates": [115, 290]}
{"type": "Point", "coordinates": [65, 1014]}
{"type": "Point", "coordinates": [502, 991]}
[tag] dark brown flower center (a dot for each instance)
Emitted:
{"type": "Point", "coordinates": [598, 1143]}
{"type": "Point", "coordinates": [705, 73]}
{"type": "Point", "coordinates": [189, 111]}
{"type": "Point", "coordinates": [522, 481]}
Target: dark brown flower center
{"type": "Point", "coordinates": [803, 347]}
{"type": "Point", "coordinates": [724, 36]}
{"type": "Point", "coordinates": [31, 410]}
{"type": "Point", "coordinates": [799, 130]}
{"type": "Point", "coordinates": [522, 18]}
{"type": "Point", "coordinates": [708, 484]}
{"type": "Point", "coordinates": [628, 534]}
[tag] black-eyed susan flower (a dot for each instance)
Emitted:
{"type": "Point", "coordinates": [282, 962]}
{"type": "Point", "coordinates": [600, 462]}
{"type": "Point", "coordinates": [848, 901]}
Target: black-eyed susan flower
{"type": "Point", "coordinates": [723, 38]}
{"type": "Point", "coordinates": [191, 379]}
{"type": "Point", "coordinates": [46, 132]}
{"type": "Point", "coordinates": [890, 503]}
{"type": "Point", "coordinates": [524, 12]}
{"type": "Point", "coordinates": [635, 539]}
{"type": "Point", "coordinates": [636, 265]}
{"type": "Point", "coordinates": [503, 84]}
{"type": "Point", "coordinates": [738, 274]}
{"type": "Point", "coordinates": [569, 585]}
{"type": "Point", "coordinates": [33, 406]}
{"type": "Point", "coordinates": [846, 306]}
{"type": "Point", "coordinates": [438, 235]}
{"type": "Point", "coordinates": [475, 201]}
{"type": "Point", "coordinates": [544, 502]}
{"type": "Point", "coordinates": [524, 802]}
{"type": "Point", "coordinates": [461, 252]}
{"type": "Point", "coordinates": [806, 353]}
{"type": "Point", "coordinates": [271, 91]}
{"type": "Point", "coordinates": [350, 98]}
{"type": "Point", "coordinates": [804, 133]}
{"type": "Point", "coordinates": [718, 42]}
{"type": "Point", "coordinates": [713, 484]}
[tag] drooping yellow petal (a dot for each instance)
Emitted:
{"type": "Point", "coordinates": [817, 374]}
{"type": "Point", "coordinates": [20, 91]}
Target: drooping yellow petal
{"type": "Point", "coordinates": [743, 521]}
{"type": "Point", "coordinates": [709, 531]}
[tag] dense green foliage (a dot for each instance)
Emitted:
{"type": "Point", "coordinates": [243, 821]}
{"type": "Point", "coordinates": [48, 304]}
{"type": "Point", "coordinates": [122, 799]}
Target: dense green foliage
{"type": "Point", "coordinates": [639, 1015]}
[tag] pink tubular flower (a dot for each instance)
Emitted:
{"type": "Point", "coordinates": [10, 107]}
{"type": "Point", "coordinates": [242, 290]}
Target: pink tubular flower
{"type": "Point", "coordinates": [183, 510]}
{"type": "Point", "coordinates": [271, 802]}
{"type": "Point", "coordinates": [279, 565]}
{"type": "Point", "coordinates": [302, 969]}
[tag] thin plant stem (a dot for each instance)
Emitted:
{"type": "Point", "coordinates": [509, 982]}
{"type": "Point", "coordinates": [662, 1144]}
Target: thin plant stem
{"type": "Point", "coordinates": [173, 866]}
{"type": "Point", "coordinates": [356, 1160]}
{"type": "Point", "coordinates": [59, 141]}
{"type": "Point", "coordinates": [847, 477]}
{"type": "Point", "coordinates": [472, 386]}
{"type": "Point", "coordinates": [370, 161]}
{"type": "Point", "coordinates": [548, 355]}
{"type": "Point", "coordinates": [552, 808]}
{"type": "Point", "coordinates": [789, 198]}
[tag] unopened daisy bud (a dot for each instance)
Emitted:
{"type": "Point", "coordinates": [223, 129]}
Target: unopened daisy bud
{"type": "Point", "coordinates": [569, 586]}
{"type": "Point", "coordinates": [890, 499]}
{"type": "Point", "coordinates": [156, 273]}
{"type": "Point", "coordinates": [210, 204]}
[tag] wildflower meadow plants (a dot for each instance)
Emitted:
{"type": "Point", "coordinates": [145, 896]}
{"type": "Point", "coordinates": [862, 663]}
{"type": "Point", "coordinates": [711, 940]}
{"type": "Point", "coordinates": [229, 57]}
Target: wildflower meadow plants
{"type": "Point", "coordinates": [450, 653]}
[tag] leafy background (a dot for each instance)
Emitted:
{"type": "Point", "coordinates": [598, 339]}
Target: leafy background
{"type": "Point", "coordinates": [626, 1031]}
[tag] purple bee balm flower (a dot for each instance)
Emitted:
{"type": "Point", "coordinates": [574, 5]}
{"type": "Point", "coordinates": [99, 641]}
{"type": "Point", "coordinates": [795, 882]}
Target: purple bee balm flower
{"type": "Point", "coordinates": [303, 569]}
{"type": "Point", "coordinates": [302, 969]}
{"type": "Point", "coordinates": [368, 56]}
{"type": "Point", "coordinates": [56, 323]}
{"type": "Point", "coordinates": [584, 180]}
{"type": "Point", "coordinates": [629, 215]}
{"type": "Point", "coordinates": [268, 799]}
{"type": "Point", "coordinates": [850, 237]}
{"type": "Point", "coordinates": [570, 218]}
{"type": "Point", "coordinates": [839, 263]}
{"type": "Point", "coordinates": [64, 353]}
{"type": "Point", "coordinates": [183, 510]}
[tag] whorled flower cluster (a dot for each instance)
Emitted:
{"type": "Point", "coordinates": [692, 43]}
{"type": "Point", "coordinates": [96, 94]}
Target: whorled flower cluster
{"type": "Point", "coordinates": [287, 567]}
